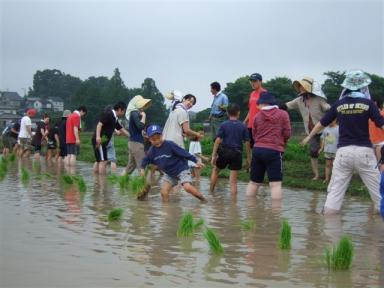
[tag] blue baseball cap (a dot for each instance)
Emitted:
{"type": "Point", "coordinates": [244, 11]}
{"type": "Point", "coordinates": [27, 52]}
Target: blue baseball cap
{"type": "Point", "coordinates": [154, 129]}
{"type": "Point", "coordinates": [255, 77]}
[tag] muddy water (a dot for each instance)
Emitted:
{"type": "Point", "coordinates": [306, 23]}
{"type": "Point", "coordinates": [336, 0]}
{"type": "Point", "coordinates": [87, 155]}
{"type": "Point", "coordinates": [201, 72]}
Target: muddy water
{"type": "Point", "coordinates": [56, 237]}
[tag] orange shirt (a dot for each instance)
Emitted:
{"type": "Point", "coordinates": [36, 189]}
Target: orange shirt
{"type": "Point", "coordinates": [252, 105]}
{"type": "Point", "coordinates": [376, 134]}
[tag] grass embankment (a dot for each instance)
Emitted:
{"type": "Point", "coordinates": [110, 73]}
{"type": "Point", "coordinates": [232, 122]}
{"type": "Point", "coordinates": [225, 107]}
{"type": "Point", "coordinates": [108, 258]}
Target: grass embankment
{"type": "Point", "coordinates": [297, 164]}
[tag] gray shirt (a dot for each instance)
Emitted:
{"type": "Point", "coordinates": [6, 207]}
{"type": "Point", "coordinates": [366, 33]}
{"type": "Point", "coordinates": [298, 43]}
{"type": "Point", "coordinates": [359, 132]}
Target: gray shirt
{"type": "Point", "coordinates": [330, 137]}
{"type": "Point", "coordinates": [173, 129]}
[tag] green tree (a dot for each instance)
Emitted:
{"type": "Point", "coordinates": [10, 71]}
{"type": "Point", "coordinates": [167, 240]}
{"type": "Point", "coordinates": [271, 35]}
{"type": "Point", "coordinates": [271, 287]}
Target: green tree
{"type": "Point", "coordinates": [54, 83]}
{"type": "Point", "coordinates": [157, 113]}
{"type": "Point", "coordinates": [376, 88]}
{"type": "Point", "coordinates": [332, 85]}
{"type": "Point", "coordinates": [238, 92]}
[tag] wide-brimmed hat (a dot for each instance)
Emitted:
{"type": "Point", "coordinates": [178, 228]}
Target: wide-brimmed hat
{"type": "Point", "coordinates": [355, 80]}
{"type": "Point", "coordinates": [306, 83]}
{"type": "Point", "coordinates": [66, 113]}
{"type": "Point", "coordinates": [174, 95]}
{"type": "Point", "coordinates": [141, 103]}
{"type": "Point", "coordinates": [267, 98]}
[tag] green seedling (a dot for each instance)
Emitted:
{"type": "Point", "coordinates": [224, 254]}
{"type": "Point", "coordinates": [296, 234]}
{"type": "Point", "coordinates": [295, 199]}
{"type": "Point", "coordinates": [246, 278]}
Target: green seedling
{"type": "Point", "coordinates": [123, 181]}
{"type": "Point", "coordinates": [80, 183]}
{"type": "Point", "coordinates": [114, 179]}
{"type": "Point", "coordinates": [247, 225]}
{"type": "Point", "coordinates": [139, 187]}
{"type": "Point", "coordinates": [285, 236]}
{"type": "Point", "coordinates": [341, 255]}
{"type": "Point", "coordinates": [213, 241]}
{"type": "Point", "coordinates": [12, 157]}
{"type": "Point", "coordinates": [36, 167]}
{"type": "Point", "coordinates": [24, 175]}
{"type": "Point", "coordinates": [187, 225]}
{"type": "Point", "coordinates": [115, 214]}
{"type": "Point", "coordinates": [67, 179]}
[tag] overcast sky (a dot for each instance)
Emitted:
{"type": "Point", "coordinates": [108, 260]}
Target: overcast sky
{"type": "Point", "coordinates": [186, 45]}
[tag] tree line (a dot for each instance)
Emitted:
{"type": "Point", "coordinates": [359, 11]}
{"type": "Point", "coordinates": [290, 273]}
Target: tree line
{"type": "Point", "coordinates": [101, 91]}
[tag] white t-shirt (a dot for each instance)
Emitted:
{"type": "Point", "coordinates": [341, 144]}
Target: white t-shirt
{"type": "Point", "coordinates": [331, 139]}
{"type": "Point", "coordinates": [173, 129]}
{"type": "Point", "coordinates": [25, 121]}
{"type": "Point", "coordinates": [194, 148]}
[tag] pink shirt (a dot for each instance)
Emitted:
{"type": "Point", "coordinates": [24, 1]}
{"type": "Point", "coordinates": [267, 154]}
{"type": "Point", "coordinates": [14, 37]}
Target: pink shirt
{"type": "Point", "coordinates": [73, 120]}
{"type": "Point", "coordinates": [271, 128]}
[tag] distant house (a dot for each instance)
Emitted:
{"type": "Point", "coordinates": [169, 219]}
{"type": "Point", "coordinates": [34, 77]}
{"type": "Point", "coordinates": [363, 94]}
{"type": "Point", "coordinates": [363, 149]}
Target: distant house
{"type": "Point", "coordinates": [57, 104]}
{"type": "Point", "coordinates": [10, 102]}
{"type": "Point", "coordinates": [34, 102]}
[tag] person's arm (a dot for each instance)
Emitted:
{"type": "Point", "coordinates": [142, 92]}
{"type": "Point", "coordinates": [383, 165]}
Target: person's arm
{"type": "Point", "coordinates": [214, 150]}
{"type": "Point", "coordinates": [321, 143]}
{"type": "Point", "coordinates": [189, 132]}
{"type": "Point", "coordinates": [182, 153]}
{"type": "Point", "coordinates": [13, 130]}
{"type": "Point", "coordinates": [246, 119]}
{"type": "Point", "coordinates": [57, 138]}
{"type": "Point", "coordinates": [293, 104]}
{"type": "Point", "coordinates": [318, 127]}
{"type": "Point", "coordinates": [248, 152]}
{"type": "Point", "coordinates": [287, 130]}
{"type": "Point", "coordinates": [145, 162]}
{"type": "Point", "coordinates": [98, 133]}
{"type": "Point", "coordinates": [29, 130]}
{"type": "Point", "coordinates": [224, 104]}
{"type": "Point", "coordinates": [135, 117]}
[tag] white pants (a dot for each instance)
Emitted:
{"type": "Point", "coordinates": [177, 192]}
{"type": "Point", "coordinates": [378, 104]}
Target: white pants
{"type": "Point", "coordinates": [349, 159]}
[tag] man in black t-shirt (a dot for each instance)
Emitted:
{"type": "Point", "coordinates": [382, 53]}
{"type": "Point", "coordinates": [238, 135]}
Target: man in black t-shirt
{"type": "Point", "coordinates": [354, 150]}
{"type": "Point", "coordinates": [104, 130]}
{"type": "Point", "coordinates": [40, 135]}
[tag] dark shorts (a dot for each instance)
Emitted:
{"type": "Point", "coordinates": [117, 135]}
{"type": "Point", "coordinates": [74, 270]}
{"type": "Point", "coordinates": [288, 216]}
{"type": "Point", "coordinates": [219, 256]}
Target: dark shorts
{"type": "Point", "coordinates": [251, 141]}
{"type": "Point", "coordinates": [37, 148]}
{"type": "Point", "coordinates": [229, 157]}
{"type": "Point", "coordinates": [266, 160]}
{"type": "Point", "coordinates": [63, 151]}
{"type": "Point", "coordinates": [314, 146]}
{"type": "Point", "coordinates": [101, 153]}
{"type": "Point", "coordinates": [51, 145]}
{"type": "Point", "coordinates": [73, 149]}
{"type": "Point", "coordinates": [9, 141]}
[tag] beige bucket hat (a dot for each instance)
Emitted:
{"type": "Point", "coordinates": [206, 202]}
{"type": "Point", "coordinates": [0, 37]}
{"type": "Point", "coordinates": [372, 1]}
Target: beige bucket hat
{"type": "Point", "coordinates": [306, 82]}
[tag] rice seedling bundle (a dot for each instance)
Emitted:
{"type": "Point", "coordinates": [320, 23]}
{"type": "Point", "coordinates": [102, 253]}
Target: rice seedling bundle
{"type": "Point", "coordinates": [247, 225]}
{"type": "Point", "coordinates": [24, 175]}
{"type": "Point", "coordinates": [213, 241]}
{"type": "Point", "coordinates": [187, 225]}
{"type": "Point", "coordinates": [139, 187]}
{"type": "Point", "coordinates": [67, 179]}
{"type": "Point", "coordinates": [341, 255]}
{"type": "Point", "coordinates": [285, 235]}
{"type": "Point", "coordinates": [115, 214]}
{"type": "Point", "coordinates": [114, 179]}
{"type": "Point", "coordinates": [80, 183]}
{"type": "Point", "coordinates": [12, 157]}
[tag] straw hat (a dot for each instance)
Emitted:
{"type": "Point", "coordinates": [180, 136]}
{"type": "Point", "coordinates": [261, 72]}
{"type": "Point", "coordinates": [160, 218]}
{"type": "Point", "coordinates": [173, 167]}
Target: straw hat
{"type": "Point", "coordinates": [306, 82]}
{"type": "Point", "coordinates": [174, 95]}
{"type": "Point", "coordinates": [356, 79]}
{"type": "Point", "coordinates": [142, 102]}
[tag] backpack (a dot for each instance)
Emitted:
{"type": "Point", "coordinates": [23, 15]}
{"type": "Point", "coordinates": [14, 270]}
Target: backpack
{"type": "Point", "coordinates": [7, 128]}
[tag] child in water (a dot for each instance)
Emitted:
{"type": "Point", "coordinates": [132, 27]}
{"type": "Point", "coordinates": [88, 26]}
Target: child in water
{"type": "Point", "coordinates": [173, 161]}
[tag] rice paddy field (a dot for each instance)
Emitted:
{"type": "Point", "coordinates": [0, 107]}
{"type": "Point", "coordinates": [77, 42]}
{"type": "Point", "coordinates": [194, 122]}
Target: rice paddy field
{"type": "Point", "coordinates": [66, 231]}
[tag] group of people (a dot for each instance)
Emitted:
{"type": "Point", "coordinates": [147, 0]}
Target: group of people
{"type": "Point", "coordinates": [342, 131]}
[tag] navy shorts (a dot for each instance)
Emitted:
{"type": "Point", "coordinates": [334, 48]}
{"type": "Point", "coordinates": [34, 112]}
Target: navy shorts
{"type": "Point", "coordinates": [266, 160]}
{"type": "Point", "coordinates": [73, 149]}
{"type": "Point", "coordinates": [229, 157]}
{"type": "Point", "coordinates": [63, 150]}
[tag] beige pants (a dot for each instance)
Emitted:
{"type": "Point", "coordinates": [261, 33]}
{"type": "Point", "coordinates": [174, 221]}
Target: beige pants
{"type": "Point", "coordinates": [348, 160]}
{"type": "Point", "coordinates": [136, 155]}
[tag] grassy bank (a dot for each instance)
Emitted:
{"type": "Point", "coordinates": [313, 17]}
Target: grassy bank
{"type": "Point", "coordinates": [297, 166]}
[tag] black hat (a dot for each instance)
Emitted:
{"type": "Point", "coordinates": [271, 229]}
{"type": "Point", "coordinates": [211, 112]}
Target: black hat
{"type": "Point", "coordinates": [267, 98]}
{"type": "Point", "coordinates": [256, 77]}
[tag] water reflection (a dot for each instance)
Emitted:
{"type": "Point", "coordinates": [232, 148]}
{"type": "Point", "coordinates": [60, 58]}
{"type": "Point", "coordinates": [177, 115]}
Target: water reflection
{"type": "Point", "coordinates": [143, 248]}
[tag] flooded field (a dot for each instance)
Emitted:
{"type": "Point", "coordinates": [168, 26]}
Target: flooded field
{"type": "Point", "coordinates": [55, 236]}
